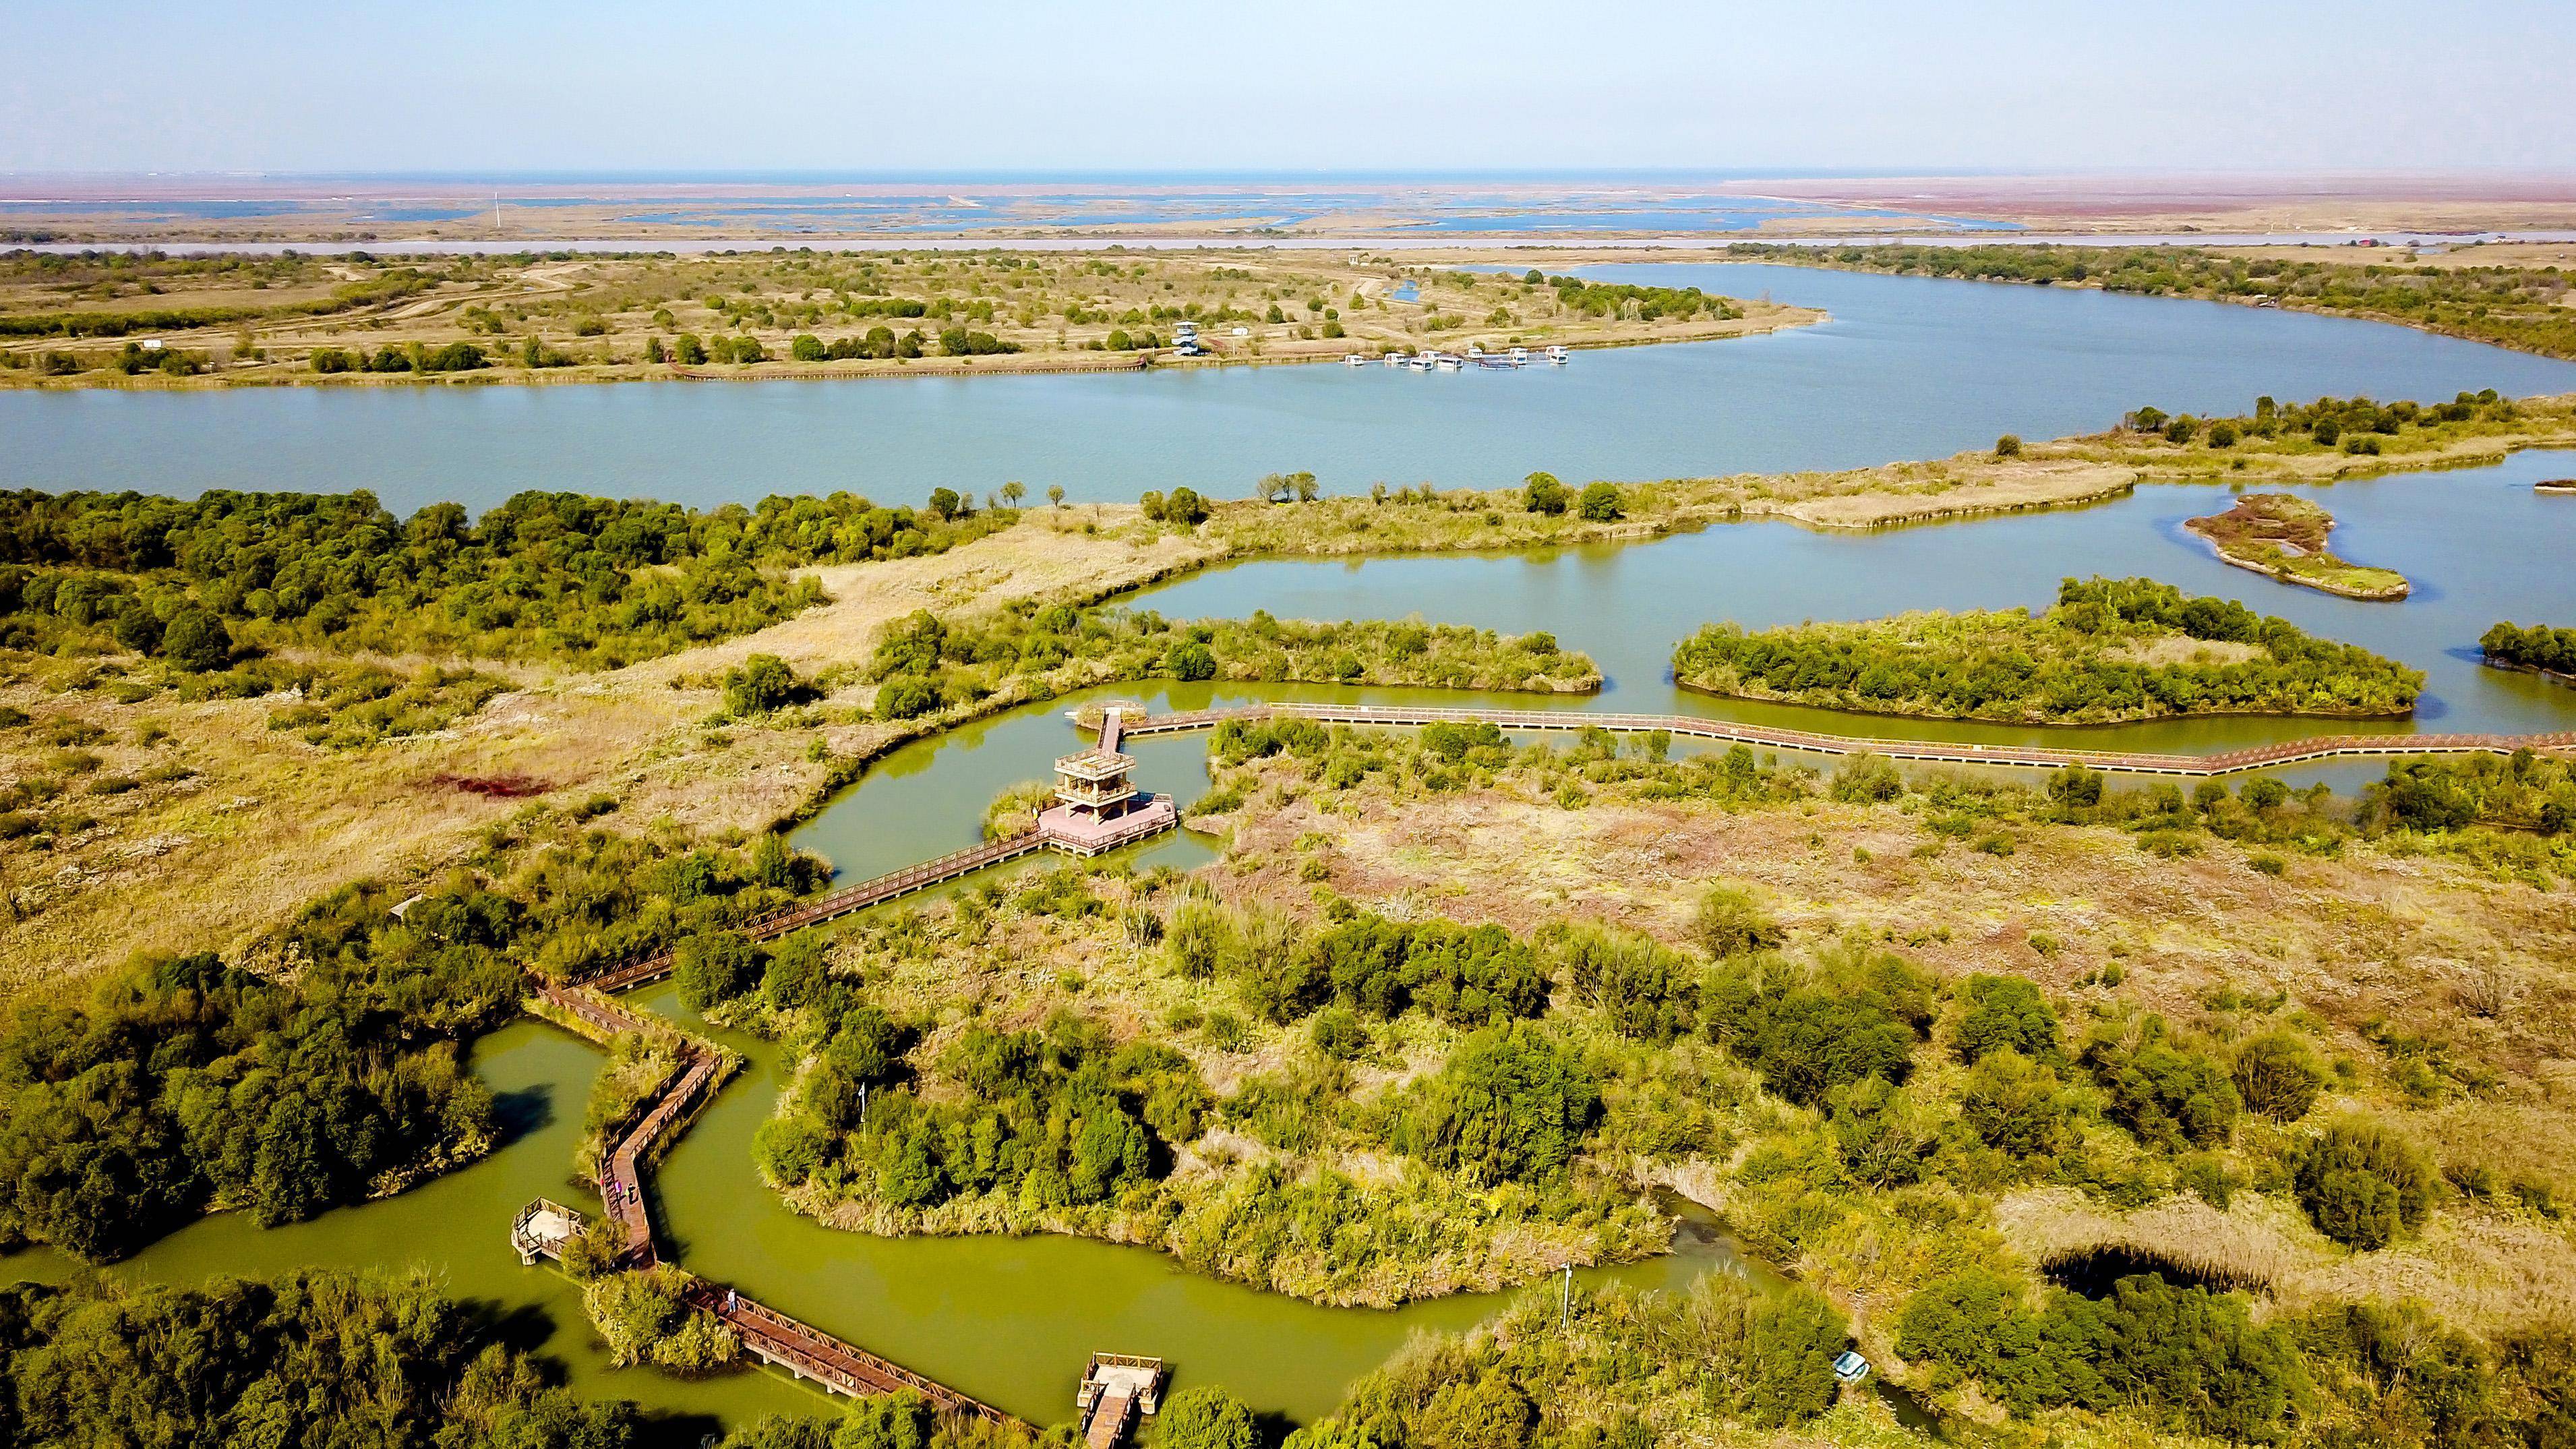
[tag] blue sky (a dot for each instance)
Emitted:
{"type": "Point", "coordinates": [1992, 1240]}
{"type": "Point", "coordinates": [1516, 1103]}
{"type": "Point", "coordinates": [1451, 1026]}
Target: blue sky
{"type": "Point", "coordinates": [1000, 85]}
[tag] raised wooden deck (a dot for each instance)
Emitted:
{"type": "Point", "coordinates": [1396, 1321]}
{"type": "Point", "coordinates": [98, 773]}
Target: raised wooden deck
{"type": "Point", "coordinates": [810, 1353]}
{"type": "Point", "coordinates": [1116, 1387]}
{"type": "Point", "coordinates": [2288, 752]}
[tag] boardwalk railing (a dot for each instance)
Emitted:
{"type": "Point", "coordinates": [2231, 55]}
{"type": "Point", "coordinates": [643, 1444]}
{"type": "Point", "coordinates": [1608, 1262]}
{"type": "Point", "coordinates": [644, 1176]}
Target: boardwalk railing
{"type": "Point", "coordinates": [900, 883]}
{"type": "Point", "coordinates": [841, 903]}
{"type": "Point", "coordinates": [834, 1363]}
{"type": "Point", "coordinates": [2288, 752]}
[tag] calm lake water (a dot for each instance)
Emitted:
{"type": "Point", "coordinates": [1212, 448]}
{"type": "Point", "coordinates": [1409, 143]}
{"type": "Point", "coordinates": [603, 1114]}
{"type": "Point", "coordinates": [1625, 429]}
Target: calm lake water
{"type": "Point", "coordinates": [1909, 367]}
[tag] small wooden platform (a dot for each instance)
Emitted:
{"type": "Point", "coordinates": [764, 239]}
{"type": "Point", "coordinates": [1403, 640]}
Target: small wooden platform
{"type": "Point", "coordinates": [542, 1229]}
{"type": "Point", "coordinates": [1116, 1387]}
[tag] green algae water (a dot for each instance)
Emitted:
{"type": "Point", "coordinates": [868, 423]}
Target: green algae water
{"type": "Point", "coordinates": [1008, 1320]}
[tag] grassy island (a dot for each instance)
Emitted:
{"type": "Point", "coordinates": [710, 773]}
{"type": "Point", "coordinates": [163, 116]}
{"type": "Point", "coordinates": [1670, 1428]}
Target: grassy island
{"type": "Point", "coordinates": [2110, 650]}
{"type": "Point", "coordinates": [926, 663]}
{"type": "Point", "coordinates": [1321, 1101]}
{"type": "Point", "coordinates": [2285, 537]}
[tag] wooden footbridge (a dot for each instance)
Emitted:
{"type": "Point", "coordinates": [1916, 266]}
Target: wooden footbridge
{"type": "Point", "coordinates": [839, 1366]}
{"type": "Point", "coordinates": [905, 882]}
{"type": "Point", "coordinates": [1947, 752]}
{"type": "Point", "coordinates": [544, 1228]}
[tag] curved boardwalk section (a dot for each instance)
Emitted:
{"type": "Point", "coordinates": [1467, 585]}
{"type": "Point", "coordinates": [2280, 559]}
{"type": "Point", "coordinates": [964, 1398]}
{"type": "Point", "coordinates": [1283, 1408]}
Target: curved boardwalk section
{"type": "Point", "coordinates": [2288, 752]}
{"type": "Point", "coordinates": [767, 1334]}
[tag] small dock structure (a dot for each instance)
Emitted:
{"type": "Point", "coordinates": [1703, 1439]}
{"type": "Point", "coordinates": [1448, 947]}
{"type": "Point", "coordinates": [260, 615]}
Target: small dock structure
{"type": "Point", "coordinates": [1116, 1388]}
{"type": "Point", "coordinates": [542, 1229]}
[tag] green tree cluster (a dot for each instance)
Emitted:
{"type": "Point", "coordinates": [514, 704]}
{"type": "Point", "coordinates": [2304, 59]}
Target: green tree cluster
{"type": "Point", "coordinates": [2162, 1087]}
{"type": "Point", "coordinates": [2363, 1184]}
{"type": "Point", "coordinates": [1049, 1120]}
{"type": "Point", "coordinates": [2521, 792]}
{"type": "Point", "coordinates": [645, 1318]}
{"type": "Point", "coordinates": [925, 662]}
{"type": "Point", "coordinates": [187, 1084]}
{"type": "Point", "coordinates": [2536, 647]}
{"type": "Point", "coordinates": [2192, 1360]}
{"type": "Point", "coordinates": [1615, 1363]}
{"type": "Point", "coordinates": [1511, 1104]}
{"type": "Point", "coordinates": [562, 576]}
{"type": "Point", "coordinates": [1645, 304]}
{"type": "Point", "coordinates": [1465, 976]}
{"type": "Point", "coordinates": [1184, 506]}
{"type": "Point", "coordinates": [365, 1362]}
{"type": "Point", "coordinates": [1856, 1015]}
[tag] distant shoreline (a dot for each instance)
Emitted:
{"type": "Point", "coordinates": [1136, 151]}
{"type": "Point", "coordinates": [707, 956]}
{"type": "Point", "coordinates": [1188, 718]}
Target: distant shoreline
{"type": "Point", "coordinates": [1058, 241]}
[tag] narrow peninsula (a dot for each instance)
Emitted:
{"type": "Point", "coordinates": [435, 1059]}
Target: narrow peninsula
{"type": "Point", "coordinates": [2284, 537]}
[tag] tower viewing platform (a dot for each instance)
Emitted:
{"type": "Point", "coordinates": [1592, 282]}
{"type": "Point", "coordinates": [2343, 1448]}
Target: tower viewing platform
{"type": "Point", "coordinates": [1098, 806]}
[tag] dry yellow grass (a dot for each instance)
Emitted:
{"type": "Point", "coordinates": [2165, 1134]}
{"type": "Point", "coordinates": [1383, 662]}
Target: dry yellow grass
{"type": "Point", "coordinates": [2492, 1274]}
{"type": "Point", "coordinates": [269, 823]}
{"type": "Point", "coordinates": [2365, 937]}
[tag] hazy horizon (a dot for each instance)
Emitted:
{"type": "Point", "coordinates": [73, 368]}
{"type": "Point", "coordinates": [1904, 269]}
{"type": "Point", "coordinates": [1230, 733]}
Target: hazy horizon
{"type": "Point", "coordinates": [1270, 90]}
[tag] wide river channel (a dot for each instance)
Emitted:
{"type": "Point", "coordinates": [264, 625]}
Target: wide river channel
{"type": "Point", "coordinates": [1908, 368]}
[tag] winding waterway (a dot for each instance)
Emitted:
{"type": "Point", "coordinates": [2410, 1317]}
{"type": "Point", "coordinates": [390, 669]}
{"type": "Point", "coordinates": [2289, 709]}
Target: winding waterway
{"type": "Point", "coordinates": [1010, 1320]}
{"type": "Point", "coordinates": [1007, 1320]}
{"type": "Point", "coordinates": [1908, 367]}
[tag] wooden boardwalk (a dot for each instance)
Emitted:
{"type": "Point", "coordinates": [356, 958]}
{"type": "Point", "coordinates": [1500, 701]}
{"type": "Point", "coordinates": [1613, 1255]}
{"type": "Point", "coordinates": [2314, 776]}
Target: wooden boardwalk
{"type": "Point", "coordinates": [885, 888]}
{"type": "Point", "coordinates": [766, 1334]}
{"type": "Point", "coordinates": [2288, 752]}
{"type": "Point", "coordinates": [842, 902]}
{"type": "Point", "coordinates": [622, 1186]}
{"type": "Point", "coordinates": [839, 1366]}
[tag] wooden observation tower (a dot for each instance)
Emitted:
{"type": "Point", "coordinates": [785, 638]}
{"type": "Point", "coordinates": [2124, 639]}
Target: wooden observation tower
{"type": "Point", "coordinates": [1098, 806]}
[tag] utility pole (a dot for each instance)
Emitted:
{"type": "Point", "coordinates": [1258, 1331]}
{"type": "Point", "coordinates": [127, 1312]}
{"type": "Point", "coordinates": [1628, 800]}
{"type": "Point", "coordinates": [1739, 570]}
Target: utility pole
{"type": "Point", "coordinates": [1565, 1303]}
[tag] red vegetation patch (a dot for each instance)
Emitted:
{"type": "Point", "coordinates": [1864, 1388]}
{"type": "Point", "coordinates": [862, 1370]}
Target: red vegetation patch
{"type": "Point", "coordinates": [496, 787]}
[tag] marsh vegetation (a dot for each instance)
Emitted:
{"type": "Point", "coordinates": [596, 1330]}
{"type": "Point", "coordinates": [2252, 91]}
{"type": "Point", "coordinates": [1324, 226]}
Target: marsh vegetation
{"type": "Point", "coordinates": [2109, 650]}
